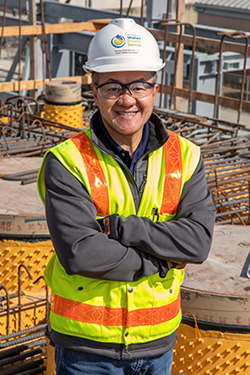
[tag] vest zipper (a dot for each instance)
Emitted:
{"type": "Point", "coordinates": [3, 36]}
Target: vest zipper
{"type": "Point", "coordinates": [130, 178]}
{"type": "Point", "coordinates": [155, 214]}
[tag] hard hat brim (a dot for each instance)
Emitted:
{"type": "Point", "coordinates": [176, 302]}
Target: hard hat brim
{"type": "Point", "coordinates": [104, 67]}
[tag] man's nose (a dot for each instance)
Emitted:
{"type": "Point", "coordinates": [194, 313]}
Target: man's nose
{"type": "Point", "coordinates": [126, 98]}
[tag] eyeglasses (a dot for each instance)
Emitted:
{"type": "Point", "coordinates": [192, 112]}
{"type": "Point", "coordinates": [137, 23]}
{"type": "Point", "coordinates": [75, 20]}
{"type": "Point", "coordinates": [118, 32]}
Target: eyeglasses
{"type": "Point", "coordinates": [138, 89]}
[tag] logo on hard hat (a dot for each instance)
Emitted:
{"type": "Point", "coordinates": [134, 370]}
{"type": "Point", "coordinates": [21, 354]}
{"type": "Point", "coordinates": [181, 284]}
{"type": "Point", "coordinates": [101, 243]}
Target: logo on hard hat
{"type": "Point", "coordinates": [118, 41]}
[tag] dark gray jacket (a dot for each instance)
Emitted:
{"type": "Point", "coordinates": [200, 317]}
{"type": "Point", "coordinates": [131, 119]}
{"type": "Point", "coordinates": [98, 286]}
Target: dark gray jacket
{"type": "Point", "coordinates": [143, 246]}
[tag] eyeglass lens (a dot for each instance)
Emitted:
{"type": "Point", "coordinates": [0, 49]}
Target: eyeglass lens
{"type": "Point", "coordinates": [136, 89]}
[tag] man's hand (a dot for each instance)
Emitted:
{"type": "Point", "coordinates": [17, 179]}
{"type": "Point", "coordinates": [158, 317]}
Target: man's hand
{"type": "Point", "coordinates": [176, 265]}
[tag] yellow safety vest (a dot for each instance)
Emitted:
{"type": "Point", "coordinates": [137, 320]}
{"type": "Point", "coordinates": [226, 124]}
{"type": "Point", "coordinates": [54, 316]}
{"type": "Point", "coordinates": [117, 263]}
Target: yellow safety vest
{"type": "Point", "coordinates": [117, 311]}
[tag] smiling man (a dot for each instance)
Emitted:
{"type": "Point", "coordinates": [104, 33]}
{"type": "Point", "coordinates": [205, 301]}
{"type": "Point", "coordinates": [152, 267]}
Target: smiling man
{"type": "Point", "coordinates": [127, 207]}
{"type": "Point", "coordinates": [124, 116]}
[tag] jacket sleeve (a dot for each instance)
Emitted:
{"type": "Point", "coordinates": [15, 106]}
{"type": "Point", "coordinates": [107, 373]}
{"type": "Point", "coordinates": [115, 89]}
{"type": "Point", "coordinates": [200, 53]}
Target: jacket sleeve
{"type": "Point", "coordinates": [187, 238]}
{"type": "Point", "coordinates": [80, 244]}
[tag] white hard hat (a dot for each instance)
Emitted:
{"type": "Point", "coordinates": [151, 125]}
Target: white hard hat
{"type": "Point", "coordinates": [123, 45]}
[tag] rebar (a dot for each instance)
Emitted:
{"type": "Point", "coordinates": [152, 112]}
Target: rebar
{"type": "Point", "coordinates": [8, 307]}
{"type": "Point", "coordinates": [19, 176]}
{"type": "Point", "coordinates": [235, 36]}
{"type": "Point", "coordinates": [40, 327]}
{"type": "Point", "coordinates": [21, 357]}
{"type": "Point", "coordinates": [22, 339]}
{"type": "Point", "coordinates": [35, 365]}
{"type": "Point", "coordinates": [29, 129]}
{"type": "Point", "coordinates": [3, 22]}
{"type": "Point", "coordinates": [20, 348]}
{"type": "Point", "coordinates": [47, 294]}
{"type": "Point", "coordinates": [226, 157]}
{"type": "Point", "coordinates": [19, 292]}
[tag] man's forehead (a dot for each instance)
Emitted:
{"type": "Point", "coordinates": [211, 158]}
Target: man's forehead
{"type": "Point", "coordinates": [124, 77]}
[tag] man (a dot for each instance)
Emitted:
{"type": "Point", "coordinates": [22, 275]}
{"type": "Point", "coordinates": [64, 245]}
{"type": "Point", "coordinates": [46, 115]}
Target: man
{"type": "Point", "coordinates": [127, 206]}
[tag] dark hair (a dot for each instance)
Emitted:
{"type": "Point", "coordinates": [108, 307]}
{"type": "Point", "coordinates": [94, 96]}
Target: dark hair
{"type": "Point", "coordinates": [95, 77]}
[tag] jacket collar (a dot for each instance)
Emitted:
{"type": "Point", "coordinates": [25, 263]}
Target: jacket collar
{"type": "Point", "coordinates": [158, 134]}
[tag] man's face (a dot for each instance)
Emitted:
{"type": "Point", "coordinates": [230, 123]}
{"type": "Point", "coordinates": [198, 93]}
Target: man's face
{"type": "Point", "coordinates": [125, 116]}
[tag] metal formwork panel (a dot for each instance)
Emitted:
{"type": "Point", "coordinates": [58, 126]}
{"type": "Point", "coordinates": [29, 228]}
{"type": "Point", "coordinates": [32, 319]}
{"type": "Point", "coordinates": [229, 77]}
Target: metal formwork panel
{"type": "Point", "coordinates": [210, 352]}
{"type": "Point", "coordinates": [33, 255]}
{"type": "Point", "coordinates": [23, 292]}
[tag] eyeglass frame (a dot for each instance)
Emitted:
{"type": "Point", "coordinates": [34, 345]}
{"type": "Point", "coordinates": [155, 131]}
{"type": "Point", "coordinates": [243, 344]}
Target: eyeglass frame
{"type": "Point", "coordinates": [124, 85]}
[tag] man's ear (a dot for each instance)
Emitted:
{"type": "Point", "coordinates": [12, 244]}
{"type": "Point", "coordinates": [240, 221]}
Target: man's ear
{"type": "Point", "coordinates": [156, 89]}
{"type": "Point", "coordinates": [94, 92]}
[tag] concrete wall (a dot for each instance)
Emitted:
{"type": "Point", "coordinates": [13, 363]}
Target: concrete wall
{"type": "Point", "coordinates": [191, 15]}
{"type": "Point", "coordinates": [226, 22]}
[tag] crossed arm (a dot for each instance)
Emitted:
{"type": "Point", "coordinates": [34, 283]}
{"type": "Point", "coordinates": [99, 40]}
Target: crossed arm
{"type": "Point", "coordinates": [140, 246]}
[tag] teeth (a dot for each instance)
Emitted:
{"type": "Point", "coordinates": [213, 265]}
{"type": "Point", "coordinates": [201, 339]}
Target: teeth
{"type": "Point", "coordinates": [127, 113]}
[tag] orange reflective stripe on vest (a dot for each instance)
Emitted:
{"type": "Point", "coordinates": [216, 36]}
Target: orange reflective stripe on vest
{"type": "Point", "coordinates": [97, 180]}
{"type": "Point", "coordinates": [99, 191]}
{"type": "Point", "coordinates": [173, 175]}
{"type": "Point", "coordinates": [108, 316]}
